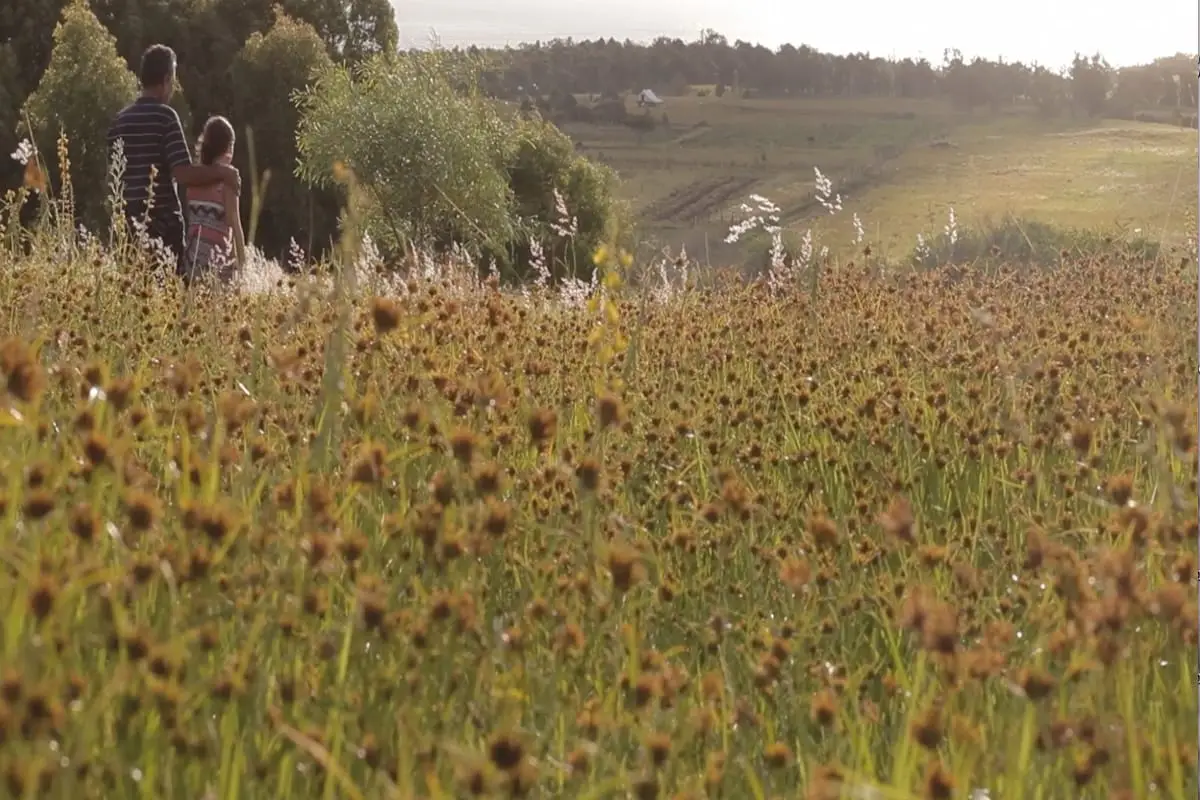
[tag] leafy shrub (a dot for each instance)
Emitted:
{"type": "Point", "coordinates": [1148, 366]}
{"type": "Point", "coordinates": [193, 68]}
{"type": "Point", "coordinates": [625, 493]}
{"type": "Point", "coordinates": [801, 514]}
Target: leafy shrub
{"type": "Point", "coordinates": [431, 160]}
{"type": "Point", "coordinates": [84, 87]}
{"type": "Point", "coordinates": [443, 166]}
{"type": "Point", "coordinates": [545, 162]}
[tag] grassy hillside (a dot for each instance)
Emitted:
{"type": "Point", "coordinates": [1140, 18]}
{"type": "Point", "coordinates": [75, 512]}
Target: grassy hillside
{"type": "Point", "coordinates": [1110, 175]}
{"type": "Point", "coordinates": [899, 164]}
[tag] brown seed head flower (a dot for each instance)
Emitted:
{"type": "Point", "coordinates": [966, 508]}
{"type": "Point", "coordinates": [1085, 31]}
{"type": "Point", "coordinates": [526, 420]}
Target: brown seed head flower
{"type": "Point", "coordinates": [823, 708]}
{"type": "Point", "coordinates": [84, 522]}
{"type": "Point", "coordinates": [42, 597]}
{"type": "Point", "coordinates": [506, 752]}
{"type": "Point", "coordinates": [609, 410]}
{"type": "Point", "coordinates": [143, 509]}
{"type": "Point", "coordinates": [1035, 683]}
{"type": "Point", "coordinates": [1081, 439]}
{"type": "Point", "coordinates": [39, 503]}
{"type": "Point", "coordinates": [927, 729]}
{"type": "Point", "coordinates": [1119, 489]}
{"type": "Point", "coordinates": [795, 573]}
{"type": "Point", "coordinates": [623, 565]}
{"type": "Point", "coordinates": [777, 755]}
{"type": "Point", "coordinates": [369, 466]}
{"type": "Point", "coordinates": [939, 782]}
{"type": "Point", "coordinates": [385, 314]}
{"type": "Point", "coordinates": [486, 478]}
{"type": "Point", "coordinates": [588, 473]}
{"type": "Point", "coordinates": [496, 518]}
{"type": "Point", "coordinates": [898, 520]}
{"type": "Point", "coordinates": [26, 380]}
{"type": "Point", "coordinates": [646, 787]}
{"type": "Point", "coordinates": [543, 424]}
{"type": "Point", "coordinates": [463, 444]}
{"type": "Point", "coordinates": [940, 632]}
{"type": "Point", "coordinates": [824, 531]}
{"type": "Point", "coordinates": [658, 747]}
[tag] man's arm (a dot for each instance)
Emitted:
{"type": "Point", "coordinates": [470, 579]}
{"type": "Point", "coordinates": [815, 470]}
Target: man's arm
{"type": "Point", "coordinates": [206, 175]}
{"type": "Point", "coordinates": [185, 173]}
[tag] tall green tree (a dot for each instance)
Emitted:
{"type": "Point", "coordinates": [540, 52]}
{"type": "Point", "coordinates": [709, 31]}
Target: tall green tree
{"type": "Point", "coordinates": [353, 30]}
{"type": "Point", "coordinates": [83, 88]}
{"type": "Point", "coordinates": [11, 98]}
{"type": "Point", "coordinates": [1091, 80]}
{"type": "Point", "coordinates": [271, 69]}
{"type": "Point", "coordinates": [27, 26]}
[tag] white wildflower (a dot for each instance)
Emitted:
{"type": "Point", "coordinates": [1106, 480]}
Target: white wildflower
{"type": "Point", "coordinates": [23, 153]}
{"type": "Point", "coordinates": [565, 225]}
{"type": "Point", "coordinates": [951, 229]}
{"type": "Point", "coordinates": [824, 192]}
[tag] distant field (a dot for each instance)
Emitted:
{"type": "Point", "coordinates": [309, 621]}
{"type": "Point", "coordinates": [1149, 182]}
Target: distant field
{"type": "Point", "coordinates": [1128, 175]}
{"type": "Point", "coordinates": [899, 164]}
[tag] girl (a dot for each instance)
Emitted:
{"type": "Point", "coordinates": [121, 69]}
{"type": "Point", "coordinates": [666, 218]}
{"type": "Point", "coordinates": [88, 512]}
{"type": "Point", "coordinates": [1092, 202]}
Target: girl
{"type": "Point", "coordinates": [214, 213]}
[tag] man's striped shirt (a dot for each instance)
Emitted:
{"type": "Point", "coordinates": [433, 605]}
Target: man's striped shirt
{"type": "Point", "coordinates": [152, 136]}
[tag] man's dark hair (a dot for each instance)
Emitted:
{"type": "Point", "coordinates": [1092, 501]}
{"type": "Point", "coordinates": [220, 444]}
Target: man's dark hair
{"type": "Point", "coordinates": [158, 64]}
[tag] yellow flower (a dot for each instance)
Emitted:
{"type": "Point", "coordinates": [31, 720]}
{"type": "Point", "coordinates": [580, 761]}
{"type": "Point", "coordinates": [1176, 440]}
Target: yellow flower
{"type": "Point", "coordinates": [611, 313]}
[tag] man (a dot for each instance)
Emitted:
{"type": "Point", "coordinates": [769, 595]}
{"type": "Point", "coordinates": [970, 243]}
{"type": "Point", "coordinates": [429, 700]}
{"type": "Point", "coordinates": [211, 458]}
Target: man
{"type": "Point", "coordinates": [152, 136]}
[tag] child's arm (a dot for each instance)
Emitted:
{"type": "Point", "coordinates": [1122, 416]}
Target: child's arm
{"type": "Point", "coordinates": [234, 211]}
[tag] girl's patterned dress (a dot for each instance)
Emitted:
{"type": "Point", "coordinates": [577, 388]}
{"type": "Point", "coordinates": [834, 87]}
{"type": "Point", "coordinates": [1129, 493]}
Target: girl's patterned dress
{"type": "Point", "coordinates": [209, 248]}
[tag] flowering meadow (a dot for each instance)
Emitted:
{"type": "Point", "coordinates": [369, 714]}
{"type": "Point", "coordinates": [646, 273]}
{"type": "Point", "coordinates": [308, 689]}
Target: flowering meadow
{"type": "Point", "coordinates": [845, 530]}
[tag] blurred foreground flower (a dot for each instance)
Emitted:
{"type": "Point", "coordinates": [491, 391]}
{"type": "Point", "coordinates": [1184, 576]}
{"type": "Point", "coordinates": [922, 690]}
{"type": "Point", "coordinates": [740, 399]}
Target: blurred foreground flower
{"type": "Point", "coordinates": [34, 178]}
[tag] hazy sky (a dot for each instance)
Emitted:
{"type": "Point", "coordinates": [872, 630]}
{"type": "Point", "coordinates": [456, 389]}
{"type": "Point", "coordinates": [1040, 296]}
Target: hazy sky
{"type": "Point", "coordinates": [1047, 31]}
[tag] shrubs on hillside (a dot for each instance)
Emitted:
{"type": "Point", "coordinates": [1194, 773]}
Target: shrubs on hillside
{"type": "Point", "coordinates": [446, 167]}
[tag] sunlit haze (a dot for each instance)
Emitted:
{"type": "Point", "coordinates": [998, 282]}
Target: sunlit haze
{"type": "Point", "coordinates": [1025, 30]}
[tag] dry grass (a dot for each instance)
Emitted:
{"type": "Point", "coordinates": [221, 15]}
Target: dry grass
{"type": "Point", "coordinates": [915, 537]}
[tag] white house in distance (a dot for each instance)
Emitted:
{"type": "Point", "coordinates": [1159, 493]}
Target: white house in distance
{"type": "Point", "coordinates": [649, 98]}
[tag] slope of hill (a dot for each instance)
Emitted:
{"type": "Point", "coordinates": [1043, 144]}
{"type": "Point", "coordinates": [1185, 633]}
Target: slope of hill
{"type": "Point", "coordinates": [900, 164]}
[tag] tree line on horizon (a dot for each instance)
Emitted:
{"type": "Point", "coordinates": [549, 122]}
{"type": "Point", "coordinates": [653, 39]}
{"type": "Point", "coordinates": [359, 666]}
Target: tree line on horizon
{"type": "Point", "coordinates": [1089, 85]}
{"type": "Point", "coordinates": [250, 59]}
